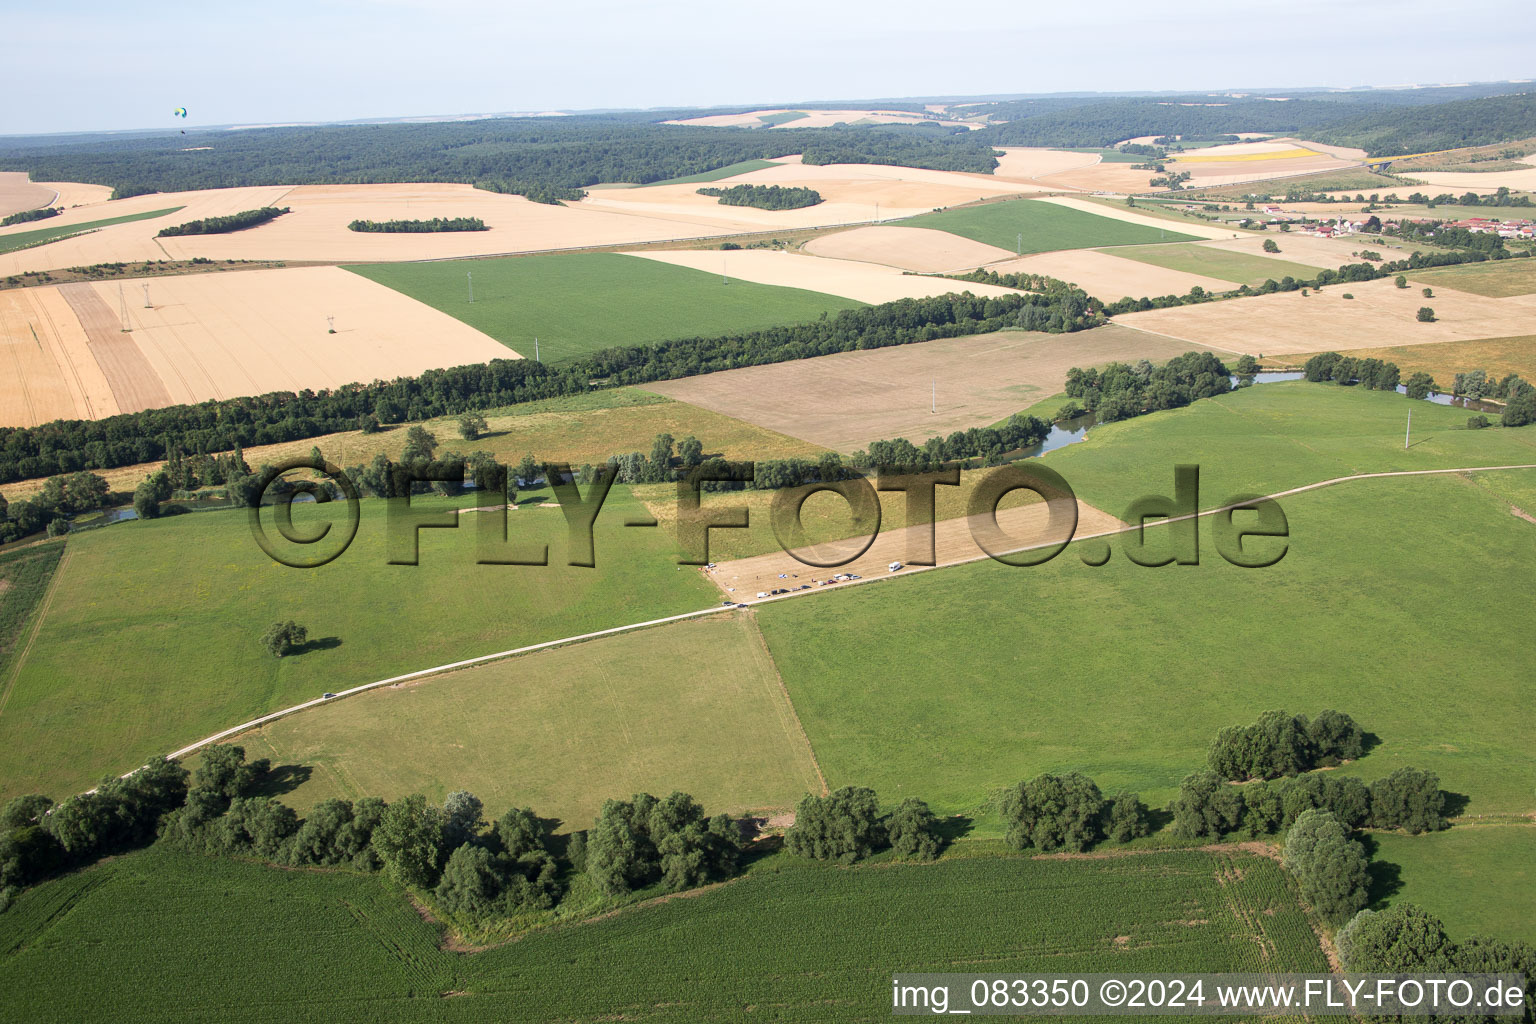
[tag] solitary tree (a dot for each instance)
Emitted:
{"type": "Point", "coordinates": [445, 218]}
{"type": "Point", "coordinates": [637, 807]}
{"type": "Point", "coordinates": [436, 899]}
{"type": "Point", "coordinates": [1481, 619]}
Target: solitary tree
{"type": "Point", "coordinates": [1054, 812]}
{"type": "Point", "coordinates": [1426, 314]}
{"type": "Point", "coordinates": [1420, 385]}
{"type": "Point", "coordinates": [1402, 282]}
{"type": "Point", "coordinates": [844, 826]}
{"type": "Point", "coordinates": [1329, 867]}
{"type": "Point", "coordinates": [471, 426]}
{"type": "Point", "coordinates": [1429, 293]}
{"type": "Point", "coordinates": [284, 637]}
{"type": "Point", "coordinates": [1270, 246]}
{"type": "Point", "coordinates": [913, 830]}
{"type": "Point", "coordinates": [410, 840]}
{"type": "Point", "coordinates": [420, 443]}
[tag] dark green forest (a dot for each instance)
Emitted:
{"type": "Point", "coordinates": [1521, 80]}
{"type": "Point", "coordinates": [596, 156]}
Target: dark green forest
{"type": "Point", "coordinates": [515, 155]}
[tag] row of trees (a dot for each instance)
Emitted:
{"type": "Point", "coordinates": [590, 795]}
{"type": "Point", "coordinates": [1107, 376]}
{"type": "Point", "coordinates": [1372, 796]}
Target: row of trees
{"type": "Point", "coordinates": [765, 197]}
{"type": "Point", "coordinates": [224, 225]}
{"type": "Point", "coordinates": [27, 216]}
{"type": "Point", "coordinates": [476, 870]}
{"type": "Point", "coordinates": [1279, 744]}
{"type": "Point", "coordinates": [1209, 807]}
{"type": "Point", "coordinates": [61, 498]}
{"type": "Point", "coordinates": [419, 226]}
{"type": "Point", "coordinates": [848, 825]}
{"type": "Point", "coordinates": [1067, 812]}
{"type": "Point", "coordinates": [220, 425]}
{"type": "Point", "coordinates": [1123, 390]}
{"type": "Point", "coordinates": [990, 444]}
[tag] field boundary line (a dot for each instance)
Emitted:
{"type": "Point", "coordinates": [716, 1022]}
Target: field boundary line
{"type": "Point", "coordinates": [907, 573]}
{"type": "Point", "coordinates": [789, 702]}
{"type": "Point", "coordinates": [39, 614]}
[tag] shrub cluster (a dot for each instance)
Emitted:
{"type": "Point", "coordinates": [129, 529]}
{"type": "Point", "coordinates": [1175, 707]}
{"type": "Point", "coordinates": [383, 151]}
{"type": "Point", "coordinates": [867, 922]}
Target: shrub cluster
{"type": "Point", "coordinates": [1208, 807]}
{"type": "Point", "coordinates": [419, 226]}
{"type": "Point", "coordinates": [1067, 812]}
{"type": "Point", "coordinates": [847, 825]}
{"type": "Point", "coordinates": [27, 216]}
{"type": "Point", "coordinates": [1281, 744]}
{"type": "Point", "coordinates": [765, 197]}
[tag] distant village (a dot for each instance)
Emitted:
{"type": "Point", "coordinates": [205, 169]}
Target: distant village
{"type": "Point", "coordinates": [1342, 226]}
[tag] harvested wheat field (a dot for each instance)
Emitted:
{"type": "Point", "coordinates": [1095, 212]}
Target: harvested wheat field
{"type": "Point", "coordinates": [847, 400]}
{"type": "Point", "coordinates": [923, 250]}
{"type": "Point", "coordinates": [1255, 161]}
{"type": "Point", "coordinates": [866, 282]}
{"type": "Point", "coordinates": [1023, 525]}
{"type": "Point", "coordinates": [1109, 277]}
{"type": "Point", "coordinates": [134, 241]}
{"type": "Point", "coordinates": [1118, 211]}
{"type": "Point", "coordinates": [49, 369]}
{"type": "Point", "coordinates": [68, 194]}
{"type": "Point", "coordinates": [1028, 164]}
{"type": "Point", "coordinates": [949, 187]}
{"type": "Point", "coordinates": [1324, 253]}
{"type": "Point", "coordinates": [1480, 182]}
{"type": "Point", "coordinates": [19, 192]}
{"type": "Point", "coordinates": [843, 202]}
{"type": "Point", "coordinates": [216, 336]}
{"type": "Point", "coordinates": [316, 227]}
{"type": "Point", "coordinates": [1379, 314]}
{"type": "Point", "coordinates": [1101, 177]}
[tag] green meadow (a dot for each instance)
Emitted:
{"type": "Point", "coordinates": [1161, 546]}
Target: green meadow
{"type": "Point", "coordinates": [1045, 227]}
{"type": "Point", "coordinates": [578, 303]}
{"type": "Point", "coordinates": [1496, 280]}
{"type": "Point", "coordinates": [793, 941]}
{"type": "Point", "coordinates": [693, 705]}
{"type": "Point", "coordinates": [151, 641]}
{"type": "Point", "coordinates": [1397, 601]}
{"type": "Point", "coordinates": [1272, 437]}
{"type": "Point", "coordinates": [1477, 878]}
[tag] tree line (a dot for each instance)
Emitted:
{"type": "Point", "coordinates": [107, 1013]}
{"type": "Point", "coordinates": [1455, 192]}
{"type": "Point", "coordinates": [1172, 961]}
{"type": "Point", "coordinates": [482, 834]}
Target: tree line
{"type": "Point", "coordinates": [27, 216]}
{"type": "Point", "coordinates": [224, 225]}
{"type": "Point", "coordinates": [220, 425]}
{"type": "Point", "coordinates": [1121, 390]}
{"type": "Point", "coordinates": [419, 226]}
{"type": "Point", "coordinates": [1518, 395]}
{"type": "Point", "coordinates": [765, 197]}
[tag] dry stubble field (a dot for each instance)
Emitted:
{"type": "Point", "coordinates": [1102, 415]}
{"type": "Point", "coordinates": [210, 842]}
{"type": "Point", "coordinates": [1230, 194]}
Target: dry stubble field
{"type": "Point", "coordinates": [1288, 322]}
{"type": "Point", "coordinates": [923, 250]}
{"type": "Point", "coordinates": [1109, 277]}
{"type": "Point", "coordinates": [866, 282]}
{"type": "Point", "coordinates": [847, 400]}
{"type": "Point", "coordinates": [215, 336]}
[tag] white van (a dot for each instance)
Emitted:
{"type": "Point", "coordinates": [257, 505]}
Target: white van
{"type": "Point", "coordinates": [893, 567]}
{"type": "Point", "coordinates": [762, 593]}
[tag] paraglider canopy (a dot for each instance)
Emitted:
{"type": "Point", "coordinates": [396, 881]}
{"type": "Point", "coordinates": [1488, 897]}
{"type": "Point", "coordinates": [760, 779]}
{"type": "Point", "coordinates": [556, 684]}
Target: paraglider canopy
{"type": "Point", "coordinates": [180, 112]}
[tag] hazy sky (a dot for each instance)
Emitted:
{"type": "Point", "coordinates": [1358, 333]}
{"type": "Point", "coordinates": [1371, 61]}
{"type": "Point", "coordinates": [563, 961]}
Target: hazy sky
{"type": "Point", "coordinates": [79, 66]}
